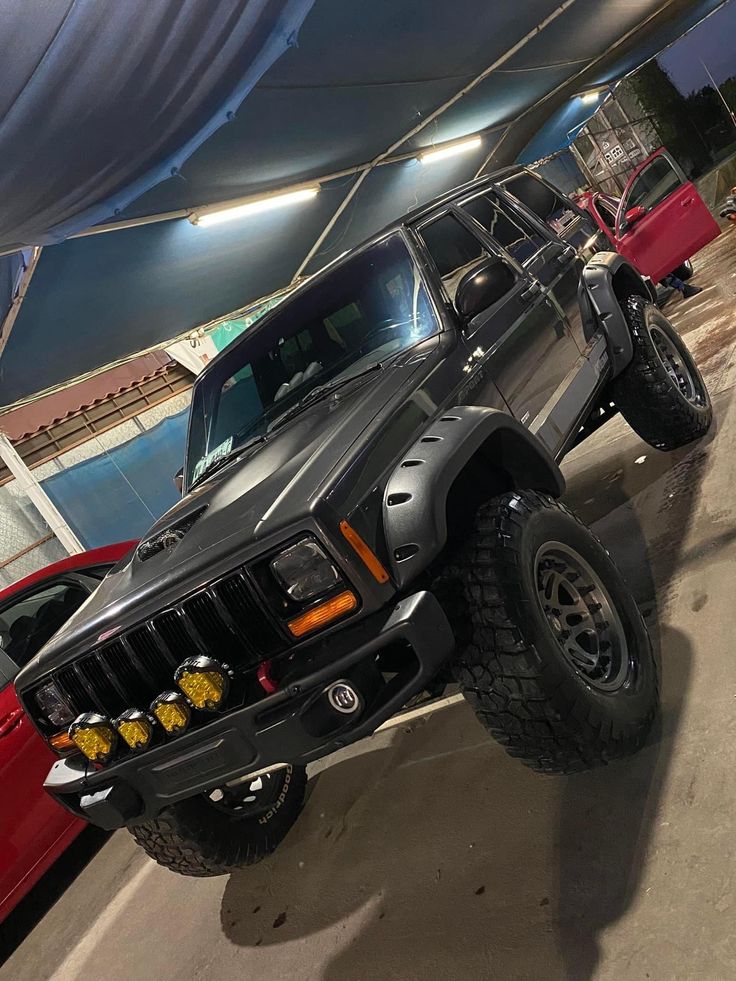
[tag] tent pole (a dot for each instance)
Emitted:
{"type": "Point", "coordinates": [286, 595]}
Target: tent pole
{"type": "Point", "coordinates": [38, 496]}
{"type": "Point", "coordinates": [584, 168]}
{"type": "Point", "coordinates": [425, 122]}
{"type": "Point", "coordinates": [568, 83]}
{"type": "Point", "coordinates": [12, 314]}
{"type": "Point", "coordinates": [123, 224]}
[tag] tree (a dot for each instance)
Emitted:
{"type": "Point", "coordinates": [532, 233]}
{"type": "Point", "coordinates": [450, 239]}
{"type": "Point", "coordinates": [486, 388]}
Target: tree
{"type": "Point", "coordinates": [660, 97]}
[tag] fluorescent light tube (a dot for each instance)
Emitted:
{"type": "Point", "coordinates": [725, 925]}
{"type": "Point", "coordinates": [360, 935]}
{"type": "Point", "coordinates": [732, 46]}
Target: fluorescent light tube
{"type": "Point", "coordinates": [450, 151]}
{"type": "Point", "coordinates": [215, 217]}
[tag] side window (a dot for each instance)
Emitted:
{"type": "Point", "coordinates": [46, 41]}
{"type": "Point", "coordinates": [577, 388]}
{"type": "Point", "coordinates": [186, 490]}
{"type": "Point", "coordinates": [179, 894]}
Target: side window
{"type": "Point", "coordinates": [656, 182]}
{"type": "Point", "coordinates": [608, 216]}
{"type": "Point", "coordinates": [454, 250]}
{"type": "Point", "coordinates": [554, 209]}
{"type": "Point", "coordinates": [516, 236]}
{"type": "Point", "coordinates": [28, 622]}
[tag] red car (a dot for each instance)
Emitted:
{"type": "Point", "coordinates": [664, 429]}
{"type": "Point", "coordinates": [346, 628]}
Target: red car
{"type": "Point", "coordinates": [34, 830]}
{"type": "Point", "coordinates": [659, 222]}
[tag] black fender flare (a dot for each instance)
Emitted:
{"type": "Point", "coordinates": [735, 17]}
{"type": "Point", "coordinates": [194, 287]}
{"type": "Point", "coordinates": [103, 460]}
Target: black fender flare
{"type": "Point", "coordinates": [415, 498]}
{"type": "Point", "coordinates": [606, 279]}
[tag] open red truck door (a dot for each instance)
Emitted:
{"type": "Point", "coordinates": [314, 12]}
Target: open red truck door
{"type": "Point", "coordinates": [661, 219]}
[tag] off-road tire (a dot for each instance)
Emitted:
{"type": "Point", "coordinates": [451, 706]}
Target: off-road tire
{"type": "Point", "coordinates": [510, 665]}
{"type": "Point", "coordinates": [650, 400]}
{"type": "Point", "coordinates": [193, 837]}
{"type": "Point", "coordinates": [684, 272]}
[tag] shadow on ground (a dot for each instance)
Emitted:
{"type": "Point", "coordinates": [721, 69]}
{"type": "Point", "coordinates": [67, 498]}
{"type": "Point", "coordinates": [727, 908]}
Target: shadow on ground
{"type": "Point", "coordinates": [439, 857]}
{"type": "Point", "coordinates": [461, 865]}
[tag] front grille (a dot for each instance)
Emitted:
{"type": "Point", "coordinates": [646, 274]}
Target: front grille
{"type": "Point", "coordinates": [224, 620]}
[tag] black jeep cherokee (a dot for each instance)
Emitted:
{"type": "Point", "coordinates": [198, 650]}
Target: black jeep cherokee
{"type": "Point", "coordinates": [371, 513]}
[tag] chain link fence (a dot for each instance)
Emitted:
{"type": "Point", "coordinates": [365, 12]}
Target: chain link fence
{"type": "Point", "coordinates": [26, 541]}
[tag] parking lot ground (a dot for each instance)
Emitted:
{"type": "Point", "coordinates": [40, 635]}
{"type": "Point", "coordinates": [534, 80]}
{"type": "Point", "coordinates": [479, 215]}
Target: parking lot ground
{"type": "Point", "coordinates": [426, 853]}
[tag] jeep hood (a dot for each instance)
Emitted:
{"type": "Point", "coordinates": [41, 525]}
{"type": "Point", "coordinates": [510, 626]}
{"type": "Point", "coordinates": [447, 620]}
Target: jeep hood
{"type": "Point", "coordinates": [271, 486]}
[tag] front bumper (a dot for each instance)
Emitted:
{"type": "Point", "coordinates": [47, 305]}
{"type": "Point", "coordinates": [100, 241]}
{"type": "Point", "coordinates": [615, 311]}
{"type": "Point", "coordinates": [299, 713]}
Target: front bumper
{"type": "Point", "coordinates": [294, 725]}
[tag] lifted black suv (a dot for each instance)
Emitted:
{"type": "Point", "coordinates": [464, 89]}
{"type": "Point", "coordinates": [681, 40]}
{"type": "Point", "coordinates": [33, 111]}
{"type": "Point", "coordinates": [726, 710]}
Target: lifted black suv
{"type": "Point", "coordinates": [370, 513]}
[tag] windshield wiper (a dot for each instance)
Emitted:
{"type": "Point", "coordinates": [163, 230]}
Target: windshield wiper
{"type": "Point", "coordinates": [222, 460]}
{"type": "Point", "coordinates": [315, 395]}
{"type": "Point", "coordinates": [319, 393]}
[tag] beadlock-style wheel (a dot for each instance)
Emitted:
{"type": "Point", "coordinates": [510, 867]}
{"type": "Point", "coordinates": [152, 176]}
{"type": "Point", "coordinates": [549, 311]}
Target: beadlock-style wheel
{"type": "Point", "coordinates": [661, 393]}
{"type": "Point", "coordinates": [677, 367]}
{"type": "Point", "coordinates": [552, 652]}
{"type": "Point", "coordinates": [581, 616]}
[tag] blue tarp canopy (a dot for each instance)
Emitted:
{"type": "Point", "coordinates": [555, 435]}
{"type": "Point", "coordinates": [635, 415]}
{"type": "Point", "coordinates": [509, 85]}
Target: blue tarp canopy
{"type": "Point", "coordinates": [115, 112]}
{"type": "Point", "coordinates": [102, 99]}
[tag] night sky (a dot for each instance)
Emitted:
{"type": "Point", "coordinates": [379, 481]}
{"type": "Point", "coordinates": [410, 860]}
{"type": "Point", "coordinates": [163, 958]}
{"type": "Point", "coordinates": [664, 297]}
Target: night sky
{"type": "Point", "coordinates": [714, 42]}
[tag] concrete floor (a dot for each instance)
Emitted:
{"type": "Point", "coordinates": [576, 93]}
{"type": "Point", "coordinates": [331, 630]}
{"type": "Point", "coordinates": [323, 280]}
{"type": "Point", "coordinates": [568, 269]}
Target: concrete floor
{"type": "Point", "coordinates": [427, 853]}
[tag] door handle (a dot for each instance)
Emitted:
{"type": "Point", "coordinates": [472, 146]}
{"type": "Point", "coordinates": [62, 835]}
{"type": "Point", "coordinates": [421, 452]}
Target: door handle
{"type": "Point", "coordinates": [533, 289]}
{"type": "Point", "coordinates": [687, 202]}
{"type": "Point", "coordinates": [10, 721]}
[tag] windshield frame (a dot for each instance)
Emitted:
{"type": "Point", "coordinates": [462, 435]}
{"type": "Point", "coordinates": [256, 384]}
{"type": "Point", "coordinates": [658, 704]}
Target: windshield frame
{"type": "Point", "coordinates": [217, 365]}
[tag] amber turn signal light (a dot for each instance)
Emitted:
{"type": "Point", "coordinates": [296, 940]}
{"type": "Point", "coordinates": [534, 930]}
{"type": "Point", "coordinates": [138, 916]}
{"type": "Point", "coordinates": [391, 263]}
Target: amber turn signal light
{"type": "Point", "coordinates": [323, 614]}
{"type": "Point", "coordinates": [62, 742]}
{"type": "Point", "coordinates": [370, 559]}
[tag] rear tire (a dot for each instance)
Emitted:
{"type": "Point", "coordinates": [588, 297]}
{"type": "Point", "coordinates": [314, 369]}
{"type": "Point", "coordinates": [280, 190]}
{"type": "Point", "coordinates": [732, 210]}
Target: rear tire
{"type": "Point", "coordinates": [200, 837]}
{"type": "Point", "coordinates": [555, 711]}
{"type": "Point", "coordinates": [661, 393]}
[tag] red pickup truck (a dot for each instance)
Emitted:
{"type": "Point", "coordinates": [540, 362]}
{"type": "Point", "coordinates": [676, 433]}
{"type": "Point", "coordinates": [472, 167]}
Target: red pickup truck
{"type": "Point", "coordinates": [659, 222]}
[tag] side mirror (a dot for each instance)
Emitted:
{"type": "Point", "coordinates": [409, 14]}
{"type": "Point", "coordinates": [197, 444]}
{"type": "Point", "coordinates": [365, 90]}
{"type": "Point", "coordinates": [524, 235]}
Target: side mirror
{"type": "Point", "coordinates": [633, 215]}
{"type": "Point", "coordinates": [483, 286]}
{"type": "Point", "coordinates": [178, 479]}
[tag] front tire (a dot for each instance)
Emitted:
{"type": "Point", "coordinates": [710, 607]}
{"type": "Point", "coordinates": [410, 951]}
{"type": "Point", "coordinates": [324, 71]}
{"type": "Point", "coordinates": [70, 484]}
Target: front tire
{"type": "Point", "coordinates": [554, 656]}
{"type": "Point", "coordinates": [225, 830]}
{"type": "Point", "coordinates": [661, 393]}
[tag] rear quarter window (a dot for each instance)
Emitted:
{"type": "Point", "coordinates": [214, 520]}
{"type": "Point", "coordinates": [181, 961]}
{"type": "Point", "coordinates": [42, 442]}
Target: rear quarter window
{"type": "Point", "coordinates": [552, 207]}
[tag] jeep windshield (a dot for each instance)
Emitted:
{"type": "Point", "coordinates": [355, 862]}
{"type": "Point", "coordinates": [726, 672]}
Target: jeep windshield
{"type": "Point", "coordinates": [367, 309]}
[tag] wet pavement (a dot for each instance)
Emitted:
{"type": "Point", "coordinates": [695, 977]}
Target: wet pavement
{"type": "Point", "coordinates": [426, 853]}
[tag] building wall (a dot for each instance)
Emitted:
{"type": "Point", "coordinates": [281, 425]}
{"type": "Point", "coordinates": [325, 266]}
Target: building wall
{"type": "Point", "coordinates": [21, 525]}
{"type": "Point", "coordinates": [114, 437]}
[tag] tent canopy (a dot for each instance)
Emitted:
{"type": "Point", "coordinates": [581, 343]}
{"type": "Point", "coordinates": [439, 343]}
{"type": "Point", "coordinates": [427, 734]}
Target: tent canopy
{"type": "Point", "coordinates": [102, 99]}
{"type": "Point", "coordinates": [97, 131]}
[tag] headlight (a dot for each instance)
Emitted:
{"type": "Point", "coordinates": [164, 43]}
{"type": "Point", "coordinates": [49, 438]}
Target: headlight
{"type": "Point", "coordinates": [304, 571]}
{"type": "Point", "coordinates": [54, 706]}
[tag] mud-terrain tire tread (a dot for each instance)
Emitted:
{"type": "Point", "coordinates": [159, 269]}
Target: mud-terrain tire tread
{"type": "Point", "coordinates": [516, 694]}
{"type": "Point", "coordinates": [645, 394]}
{"type": "Point", "coordinates": [193, 838]}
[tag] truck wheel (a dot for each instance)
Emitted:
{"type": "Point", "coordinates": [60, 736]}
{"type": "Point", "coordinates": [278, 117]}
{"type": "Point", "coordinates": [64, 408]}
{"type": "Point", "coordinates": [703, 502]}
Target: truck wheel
{"type": "Point", "coordinates": [684, 272]}
{"type": "Point", "coordinates": [661, 393]}
{"type": "Point", "coordinates": [554, 656]}
{"type": "Point", "coordinates": [224, 830]}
